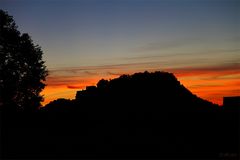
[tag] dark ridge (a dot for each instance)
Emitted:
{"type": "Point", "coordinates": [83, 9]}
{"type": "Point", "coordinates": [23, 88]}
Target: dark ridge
{"type": "Point", "coordinates": [144, 116]}
{"type": "Point", "coordinates": [148, 90]}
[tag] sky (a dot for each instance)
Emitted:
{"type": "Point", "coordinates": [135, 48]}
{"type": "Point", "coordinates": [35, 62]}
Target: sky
{"type": "Point", "coordinates": [86, 40]}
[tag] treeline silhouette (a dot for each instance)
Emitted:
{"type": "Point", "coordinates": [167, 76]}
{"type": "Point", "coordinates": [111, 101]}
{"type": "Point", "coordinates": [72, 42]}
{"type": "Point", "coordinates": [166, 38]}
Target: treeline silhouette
{"type": "Point", "coordinates": [22, 69]}
{"type": "Point", "coordinates": [144, 115]}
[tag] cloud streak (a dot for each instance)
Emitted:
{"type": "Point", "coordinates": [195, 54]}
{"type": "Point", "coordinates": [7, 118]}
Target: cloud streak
{"type": "Point", "coordinates": [75, 87]}
{"type": "Point", "coordinates": [209, 82]}
{"type": "Point", "coordinates": [185, 54]}
{"type": "Point", "coordinates": [224, 69]}
{"type": "Point", "coordinates": [76, 72]}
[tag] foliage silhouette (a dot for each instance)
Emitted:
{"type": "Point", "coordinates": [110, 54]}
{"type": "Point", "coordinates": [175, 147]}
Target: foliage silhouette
{"type": "Point", "coordinates": [22, 70]}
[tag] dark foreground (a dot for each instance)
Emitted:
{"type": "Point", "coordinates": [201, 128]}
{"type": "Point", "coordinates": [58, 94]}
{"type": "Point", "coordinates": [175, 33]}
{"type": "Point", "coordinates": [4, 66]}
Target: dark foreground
{"type": "Point", "coordinates": [118, 119]}
{"type": "Point", "coordinates": [124, 135]}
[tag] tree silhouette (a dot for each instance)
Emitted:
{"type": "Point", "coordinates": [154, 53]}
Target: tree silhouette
{"type": "Point", "coordinates": [22, 70]}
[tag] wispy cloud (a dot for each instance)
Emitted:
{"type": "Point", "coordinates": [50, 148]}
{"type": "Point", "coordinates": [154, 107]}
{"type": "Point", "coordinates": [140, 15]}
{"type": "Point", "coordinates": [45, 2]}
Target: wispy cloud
{"type": "Point", "coordinates": [184, 54]}
{"type": "Point", "coordinates": [93, 70]}
{"type": "Point", "coordinates": [186, 42]}
{"type": "Point", "coordinates": [80, 73]}
{"type": "Point", "coordinates": [205, 81]}
{"type": "Point", "coordinates": [114, 74]}
{"type": "Point", "coordinates": [220, 70]}
{"type": "Point", "coordinates": [75, 87]}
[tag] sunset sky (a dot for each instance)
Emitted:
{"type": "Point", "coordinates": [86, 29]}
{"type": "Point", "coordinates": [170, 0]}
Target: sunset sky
{"type": "Point", "coordinates": [86, 40]}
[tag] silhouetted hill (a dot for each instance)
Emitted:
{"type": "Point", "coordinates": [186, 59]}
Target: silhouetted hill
{"type": "Point", "coordinates": [144, 115]}
{"type": "Point", "coordinates": [160, 90]}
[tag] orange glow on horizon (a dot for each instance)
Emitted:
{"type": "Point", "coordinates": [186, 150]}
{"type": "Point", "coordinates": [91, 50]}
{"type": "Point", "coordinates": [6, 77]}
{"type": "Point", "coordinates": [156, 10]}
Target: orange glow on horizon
{"type": "Point", "coordinates": [54, 91]}
{"type": "Point", "coordinates": [208, 84]}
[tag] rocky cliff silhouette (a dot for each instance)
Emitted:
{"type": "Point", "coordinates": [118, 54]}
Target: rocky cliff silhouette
{"type": "Point", "coordinates": [144, 115]}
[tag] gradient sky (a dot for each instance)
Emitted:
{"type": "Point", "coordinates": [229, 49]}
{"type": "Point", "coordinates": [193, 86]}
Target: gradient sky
{"type": "Point", "coordinates": [86, 40]}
